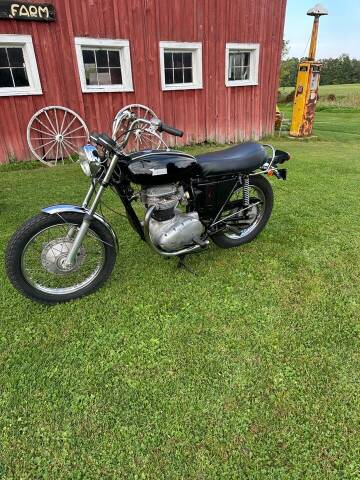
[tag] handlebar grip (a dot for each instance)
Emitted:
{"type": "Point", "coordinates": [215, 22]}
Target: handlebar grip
{"type": "Point", "coordinates": [171, 130]}
{"type": "Point", "coordinates": [94, 137]}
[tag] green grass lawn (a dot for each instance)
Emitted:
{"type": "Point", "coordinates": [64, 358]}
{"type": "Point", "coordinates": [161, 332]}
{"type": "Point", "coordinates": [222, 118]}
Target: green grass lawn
{"type": "Point", "coordinates": [339, 90]}
{"type": "Point", "coordinates": [249, 370]}
{"type": "Point", "coordinates": [347, 97]}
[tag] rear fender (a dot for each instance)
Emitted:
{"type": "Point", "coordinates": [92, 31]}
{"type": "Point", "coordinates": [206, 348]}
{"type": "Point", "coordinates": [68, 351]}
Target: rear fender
{"type": "Point", "coordinates": [58, 209]}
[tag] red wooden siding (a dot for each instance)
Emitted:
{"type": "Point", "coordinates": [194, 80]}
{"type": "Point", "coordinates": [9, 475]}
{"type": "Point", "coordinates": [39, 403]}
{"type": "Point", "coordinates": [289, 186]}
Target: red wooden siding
{"type": "Point", "coordinates": [216, 112]}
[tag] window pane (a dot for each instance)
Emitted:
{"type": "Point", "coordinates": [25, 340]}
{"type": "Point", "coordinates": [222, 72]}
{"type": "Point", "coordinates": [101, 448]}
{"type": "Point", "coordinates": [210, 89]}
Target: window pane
{"type": "Point", "coordinates": [169, 76]}
{"type": "Point", "coordinates": [104, 76]}
{"type": "Point", "coordinates": [5, 78]}
{"type": "Point", "coordinates": [178, 60]}
{"type": "Point", "coordinates": [239, 65]}
{"type": "Point", "coordinates": [178, 75]}
{"type": "Point", "coordinates": [187, 59]}
{"type": "Point", "coordinates": [114, 58]}
{"type": "Point", "coordinates": [168, 60]}
{"type": "Point", "coordinates": [245, 73]}
{"type": "Point", "coordinates": [90, 74]}
{"type": "Point", "coordinates": [20, 77]}
{"type": "Point", "coordinates": [116, 78]}
{"type": "Point", "coordinates": [102, 58]}
{"type": "Point", "coordinates": [244, 59]}
{"type": "Point", "coordinates": [3, 58]}
{"type": "Point", "coordinates": [88, 56]}
{"type": "Point", "coordinates": [188, 75]}
{"type": "Point", "coordinates": [235, 59]}
{"type": "Point", "coordinates": [16, 57]}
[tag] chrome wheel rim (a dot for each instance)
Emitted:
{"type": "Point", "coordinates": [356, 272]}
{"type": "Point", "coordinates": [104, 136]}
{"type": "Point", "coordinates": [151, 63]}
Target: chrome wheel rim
{"type": "Point", "coordinates": [241, 228]}
{"type": "Point", "coordinates": [43, 260]}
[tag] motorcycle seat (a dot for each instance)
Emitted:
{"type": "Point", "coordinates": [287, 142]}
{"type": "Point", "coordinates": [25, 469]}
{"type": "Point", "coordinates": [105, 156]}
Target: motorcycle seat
{"type": "Point", "coordinates": [243, 158]}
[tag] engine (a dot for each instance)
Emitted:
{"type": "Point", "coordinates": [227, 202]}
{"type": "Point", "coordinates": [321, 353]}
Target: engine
{"type": "Point", "coordinates": [170, 229]}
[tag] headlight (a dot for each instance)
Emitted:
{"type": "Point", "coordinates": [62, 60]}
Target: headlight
{"type": "Point", "coordinates": [89, 160]}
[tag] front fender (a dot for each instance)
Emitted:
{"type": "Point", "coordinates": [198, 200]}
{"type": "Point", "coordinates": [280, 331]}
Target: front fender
{"type": "Point", "coordinates": [55, 209]}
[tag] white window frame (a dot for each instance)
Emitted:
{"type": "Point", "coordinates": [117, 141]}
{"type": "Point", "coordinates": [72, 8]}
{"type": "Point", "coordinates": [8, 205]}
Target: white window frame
{"type": "Point", "coordinates": [125, 61]}
{"type": "Point", "coordinates": [254, 49]}
{"type": "Point", "coordinates": [196, 49]}
{"type": "Point", "coordinates": [25, 42]}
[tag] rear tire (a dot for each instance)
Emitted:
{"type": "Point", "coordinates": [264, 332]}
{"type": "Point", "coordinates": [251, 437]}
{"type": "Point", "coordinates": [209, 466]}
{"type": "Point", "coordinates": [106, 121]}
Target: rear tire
{"type": "Point", "coordinates": [260, 183]}
{"type": "Point", "coordinates": [20, 240]}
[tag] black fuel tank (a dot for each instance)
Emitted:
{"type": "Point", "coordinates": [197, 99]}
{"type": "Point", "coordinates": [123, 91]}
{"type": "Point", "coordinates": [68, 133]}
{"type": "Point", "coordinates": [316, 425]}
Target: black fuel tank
{"type": "Point", "coordinates": [156, 167]}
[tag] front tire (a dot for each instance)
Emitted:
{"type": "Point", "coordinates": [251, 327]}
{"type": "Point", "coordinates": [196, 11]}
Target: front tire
{"type": "Point", "coordinates": [46, 281]}
{"type": "Point", "coordinates": [233, 236]}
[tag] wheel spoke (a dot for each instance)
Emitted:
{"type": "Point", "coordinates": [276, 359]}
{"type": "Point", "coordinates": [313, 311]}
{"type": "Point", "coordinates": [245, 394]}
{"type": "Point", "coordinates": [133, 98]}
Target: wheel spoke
{"type": "Point", "coordinates": [62, 153]}
{"type": "Point", "coordinates": [45, 144]}
{"type": "Point", "coordinates": [70, 145]}
{"type": "Point", "coordinates": [43, 124]}
{"type": "Point", "coordinates": [72, 131]}
{"type": "Point", "coordinates": [44, 156]}
{"type": "Point", "coordinates": [44, 133]}
{"type": "Point", "coordinates": [57, 152]}
{"type": "Point", "coordinates": [42, 138]}
{"type": "Point", "coordinates": [47, 116]}
{"type": "Point", "coordinates": [63, 121]}
{"type": "Point", "coordinates": [80, 136]}
{"type": "Point", "coordinates": [56, 120]}
{"type": "Point", "coordinates": [67, 128]}
{"type": "Point", "coordinates": [65, 150]}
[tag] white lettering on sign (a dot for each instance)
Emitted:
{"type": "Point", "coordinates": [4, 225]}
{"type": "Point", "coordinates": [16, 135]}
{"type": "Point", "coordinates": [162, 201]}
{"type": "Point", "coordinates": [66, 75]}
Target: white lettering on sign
{"type": "Point", "coordinates": [14, 8]}
{"type": "Point", "coordinates": [31, 11]}
{"type": "Point", "coordinates": [43, 10]}
{"type": "Point", "coordinates": [24, 11]}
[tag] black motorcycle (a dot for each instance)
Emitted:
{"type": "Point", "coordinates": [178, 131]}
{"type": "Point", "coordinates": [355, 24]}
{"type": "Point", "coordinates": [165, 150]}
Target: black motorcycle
{"type": "Point", "coordinates": [68, 251]}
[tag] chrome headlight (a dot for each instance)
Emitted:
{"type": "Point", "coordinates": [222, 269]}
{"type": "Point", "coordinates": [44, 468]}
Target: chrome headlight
{"type": "Point", "coordinates": [89, 160]}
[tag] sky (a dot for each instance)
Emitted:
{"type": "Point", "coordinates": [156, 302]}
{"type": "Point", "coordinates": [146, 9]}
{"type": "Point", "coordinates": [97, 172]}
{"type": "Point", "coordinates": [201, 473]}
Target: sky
{"type": "Point", "coordinates": [339, 32]}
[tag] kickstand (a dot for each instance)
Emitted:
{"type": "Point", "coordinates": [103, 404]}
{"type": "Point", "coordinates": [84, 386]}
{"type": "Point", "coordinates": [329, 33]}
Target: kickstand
{"type": "Point", "coordinates": [182, 264]}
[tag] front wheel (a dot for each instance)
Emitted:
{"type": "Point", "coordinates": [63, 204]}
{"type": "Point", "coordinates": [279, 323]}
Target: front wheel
{"type": "Point", "coordinates": [36, 254]}
{"type": "Point", "coordinates": [244, 227]}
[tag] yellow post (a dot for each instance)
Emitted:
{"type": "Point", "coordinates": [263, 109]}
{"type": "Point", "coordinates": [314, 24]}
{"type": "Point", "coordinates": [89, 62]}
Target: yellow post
{"type": "Point", "coordinates": [307, 83]}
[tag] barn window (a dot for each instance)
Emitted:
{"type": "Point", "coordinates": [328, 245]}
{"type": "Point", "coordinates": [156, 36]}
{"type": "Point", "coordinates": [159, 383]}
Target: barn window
{"type": "Point", "coordinates": [18, 70]}
{"type": "Point", "coordinates": [241, 64]}
{"type": "Point", "coordinates": [180, 65]}
{"type": "Point", "coordinates": [104, 65]}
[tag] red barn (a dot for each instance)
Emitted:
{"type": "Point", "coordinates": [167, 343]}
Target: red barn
{"type": "Point", "coordinates": [208, 67]}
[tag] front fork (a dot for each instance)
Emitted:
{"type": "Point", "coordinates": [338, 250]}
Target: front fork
{"type": "Point", "coordinates": [88, 217]}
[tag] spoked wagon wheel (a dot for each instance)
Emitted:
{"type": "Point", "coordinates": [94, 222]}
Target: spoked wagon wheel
{"type": "Point", "coordinates": [55, 133]}
{"type": "Point", "coordinates": [143, 137]}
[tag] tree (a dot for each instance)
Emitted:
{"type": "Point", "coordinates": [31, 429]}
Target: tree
{"type": "Point", "coordinates": [334, 71]}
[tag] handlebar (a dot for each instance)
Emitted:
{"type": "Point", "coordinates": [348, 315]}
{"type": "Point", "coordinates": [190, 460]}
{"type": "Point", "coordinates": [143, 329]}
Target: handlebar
{"type": "Point", "coordinates": [171, 130]}
{"type": "Point", "coordinates": [108, 143]}
{"type": "Point", "coordinates": [104, 140]}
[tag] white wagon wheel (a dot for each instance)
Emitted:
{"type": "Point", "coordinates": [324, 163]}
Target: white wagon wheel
{"type": "Point", "coordinates": [55, 133]}
{"type": "Point", "coordinates": [143, 138]}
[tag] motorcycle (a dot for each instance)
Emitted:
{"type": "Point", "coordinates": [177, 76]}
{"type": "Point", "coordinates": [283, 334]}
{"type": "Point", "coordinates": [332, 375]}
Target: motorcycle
{"type": "Point", "coordinates": [68, 251]}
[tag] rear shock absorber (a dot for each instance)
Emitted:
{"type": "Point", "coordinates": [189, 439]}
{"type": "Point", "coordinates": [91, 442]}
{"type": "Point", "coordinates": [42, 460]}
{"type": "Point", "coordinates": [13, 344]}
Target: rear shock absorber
{"type": "Point", "coordinates": [246, 191]}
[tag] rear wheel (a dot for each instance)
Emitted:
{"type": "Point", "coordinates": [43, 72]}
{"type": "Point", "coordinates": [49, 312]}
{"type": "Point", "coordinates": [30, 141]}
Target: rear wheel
{"type": "Point", "coordinates": [244, 227]}
{"type": "Point", "coordinates": [36, 254]}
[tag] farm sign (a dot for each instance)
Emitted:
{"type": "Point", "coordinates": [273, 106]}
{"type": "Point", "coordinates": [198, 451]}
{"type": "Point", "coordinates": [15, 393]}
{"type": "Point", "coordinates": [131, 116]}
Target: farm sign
{"type": "Point", "coordinates": [41, 12]}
